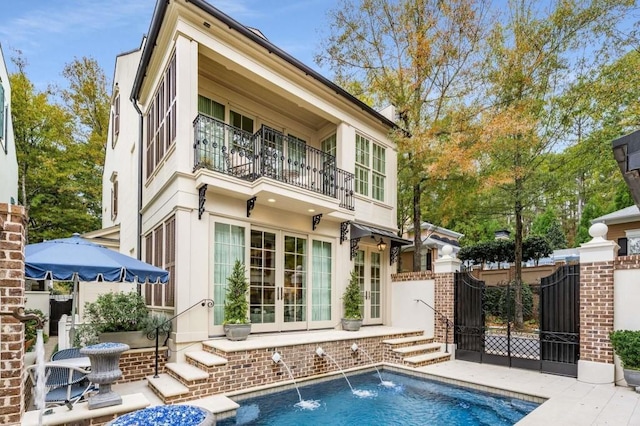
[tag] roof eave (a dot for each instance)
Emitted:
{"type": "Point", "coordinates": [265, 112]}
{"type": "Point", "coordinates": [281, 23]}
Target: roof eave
{"type": "Point", "coordinates": [154, 29]}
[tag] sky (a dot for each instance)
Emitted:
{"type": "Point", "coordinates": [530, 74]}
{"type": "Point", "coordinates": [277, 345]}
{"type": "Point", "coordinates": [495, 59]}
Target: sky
{"type": "Point", "coordinates": [51, 33]}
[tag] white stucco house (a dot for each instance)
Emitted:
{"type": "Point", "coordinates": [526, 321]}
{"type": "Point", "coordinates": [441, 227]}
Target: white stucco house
{"type": "Point", "coordinates": [224, 147]}
{"type": "Point", "coordinates": [8, 159]}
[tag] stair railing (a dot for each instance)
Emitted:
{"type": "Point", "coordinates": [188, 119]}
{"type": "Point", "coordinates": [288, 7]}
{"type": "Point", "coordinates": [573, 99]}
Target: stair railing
{"type": "Point", "coordinates": [443, 319]}
{"type": "Point", "coordinates": [155, 334]}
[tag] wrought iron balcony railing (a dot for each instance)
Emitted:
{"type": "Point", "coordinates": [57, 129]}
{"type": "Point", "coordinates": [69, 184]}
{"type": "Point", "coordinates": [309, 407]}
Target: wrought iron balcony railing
{"type": "Point", "coordinates": [269, 153]}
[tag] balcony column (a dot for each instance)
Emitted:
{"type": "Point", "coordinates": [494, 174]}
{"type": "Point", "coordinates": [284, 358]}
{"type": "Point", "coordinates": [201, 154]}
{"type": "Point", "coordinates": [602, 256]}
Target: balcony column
{"type": "Point", "coordinates": [186, 100]}
{"type": "Point", "coordinates": [345, 147]}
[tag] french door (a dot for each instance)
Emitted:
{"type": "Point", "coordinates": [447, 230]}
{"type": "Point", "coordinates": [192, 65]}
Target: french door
{"type": "Point", "coordinates": [367, 264]}
{"type": "Point", "coordinates": [278, 282]}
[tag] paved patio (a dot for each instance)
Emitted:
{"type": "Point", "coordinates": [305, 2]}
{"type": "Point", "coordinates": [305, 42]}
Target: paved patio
{"type": "Point", "coordinates": [570, 402]}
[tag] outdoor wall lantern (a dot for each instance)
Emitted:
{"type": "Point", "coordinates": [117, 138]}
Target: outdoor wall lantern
{"type": "Point", "coordinates": [382, 245]}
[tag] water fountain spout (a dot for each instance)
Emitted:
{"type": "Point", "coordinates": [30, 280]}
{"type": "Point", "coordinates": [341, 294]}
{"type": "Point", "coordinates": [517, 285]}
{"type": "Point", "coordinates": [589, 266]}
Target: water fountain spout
{"type": "Point", "coordinates": [307, 405]}
{"type": "Point", "coordinates": [355, 348]}
{"type": "Point", "coordinates": [320, 352]}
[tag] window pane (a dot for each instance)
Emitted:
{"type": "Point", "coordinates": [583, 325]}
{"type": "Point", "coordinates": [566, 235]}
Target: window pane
{"type": "Point", "coordinates": [228, 246]}
{"type": "Point", "coordinates": [379, 159]}
{"type": "Point", "coordinates": [329, 145]}
{"type": "Point", "coordinates": [377, 190]}
{"type": "Point", "coordinates": [362, 181]}
{"type": "Point", "coordinates": [321, 281]}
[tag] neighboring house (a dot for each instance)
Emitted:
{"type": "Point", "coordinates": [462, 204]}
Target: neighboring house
{"type": "Point", "coordinates": [434, 238]}
{"type": "Point", "coordinates": [8, 159]}
{"type": "Point", "coordinates": [624, 228]}
{"type": "Point", "coordinates": [229, 148]}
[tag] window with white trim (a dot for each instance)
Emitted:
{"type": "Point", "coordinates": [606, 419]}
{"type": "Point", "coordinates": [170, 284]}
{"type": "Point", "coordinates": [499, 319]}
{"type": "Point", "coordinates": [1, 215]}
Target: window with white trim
{"type": "Point", "coordinates": [370, 168]}
{"type": "Point", "coordinates": [115, 120]}
{"type": "Point", "coordinates": [3, 119]}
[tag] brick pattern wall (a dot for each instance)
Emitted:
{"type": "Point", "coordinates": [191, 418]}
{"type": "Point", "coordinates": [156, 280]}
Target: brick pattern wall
{"type": "Point", "coordinates": [137, 364]}
{"type": "Point", "coordinates": [251, 368]}
{"type": "Point", "coordinates": [444, 303]}
{"type": "Point", "coordinates": [412, 276]}
{"type": "Point", "coordinates": [628, 262]}
{"type": "Point", "coordinates": [596, 311]}
{"type": "Point", "coordinates": [12, 241]}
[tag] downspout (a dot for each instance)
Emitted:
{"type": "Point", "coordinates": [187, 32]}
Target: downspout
{"type": "Point", "coordinates": [140, 148]}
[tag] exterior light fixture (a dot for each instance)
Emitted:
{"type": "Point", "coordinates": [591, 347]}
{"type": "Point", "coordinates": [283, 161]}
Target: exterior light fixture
{"type": "Point", "coordinates": [382, 245]}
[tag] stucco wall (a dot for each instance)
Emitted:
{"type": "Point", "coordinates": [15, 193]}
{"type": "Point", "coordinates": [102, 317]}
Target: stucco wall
{"type": "Point", "coordinates": [406, 312]}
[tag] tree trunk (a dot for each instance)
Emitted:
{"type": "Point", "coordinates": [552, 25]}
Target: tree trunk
{"type": "Point", "coordinates": [417, 232]}
{"type": "Point", "coordinates": [517, 285]}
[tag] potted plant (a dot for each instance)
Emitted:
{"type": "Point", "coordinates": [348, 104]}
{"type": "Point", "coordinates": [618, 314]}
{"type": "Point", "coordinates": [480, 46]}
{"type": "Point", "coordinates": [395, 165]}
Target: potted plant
{"type": "Point", "coordinates": [236, 322]}
{"type": "Point", "coordinates": [352, 300]}
{"type": "Point", "coordinates": [626, 344]}
{"type": "Point", "coordinates": [115, 317]}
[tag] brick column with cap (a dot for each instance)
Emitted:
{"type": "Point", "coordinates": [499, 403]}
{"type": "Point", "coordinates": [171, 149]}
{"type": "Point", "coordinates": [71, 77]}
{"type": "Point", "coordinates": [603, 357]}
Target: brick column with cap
{"type": "Point", "coordinates": [597, 258]}
{"type": "Point", "coordinates": [444, 269]}
{"type": "Point", "coordinates": [12, 241]}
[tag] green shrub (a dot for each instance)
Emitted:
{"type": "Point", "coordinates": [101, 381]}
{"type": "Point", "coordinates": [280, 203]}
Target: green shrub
{"type": "Point", "coordinates": [352, 298]}
{"type": "Point", "coordinates": [236, 306]}
{"type": "Point", "coordinates": [117, 312]}
{"type": "Point", "coordinates": [626, 344]}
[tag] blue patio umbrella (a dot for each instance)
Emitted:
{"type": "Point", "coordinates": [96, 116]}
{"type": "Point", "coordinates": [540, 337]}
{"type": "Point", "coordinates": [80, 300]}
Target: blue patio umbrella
{"type": "Point", "coordinates": [75, 258]}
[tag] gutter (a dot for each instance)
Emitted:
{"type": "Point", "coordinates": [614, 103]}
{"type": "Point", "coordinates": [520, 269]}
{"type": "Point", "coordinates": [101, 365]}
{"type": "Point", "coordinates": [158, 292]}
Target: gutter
{"type": "Point", "coordinates": [158, 16]}
{"type": "Point", "coordinates": [140, 149]}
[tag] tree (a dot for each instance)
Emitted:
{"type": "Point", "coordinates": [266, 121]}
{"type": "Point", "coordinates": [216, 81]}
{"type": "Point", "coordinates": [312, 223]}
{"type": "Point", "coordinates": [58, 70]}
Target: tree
{"type": "Point", "coordinates": [420, 57]}
{"type": "Point", "coordinates": [60, 154]}
{"type": "Point", "coordinates": [548, 226]}
{"type": "Point", "coordinates": [536, 247]}
{"type": "Point", "coordinates": [87, 100]}
{"type": "Point", "coordinates": [533, 54]}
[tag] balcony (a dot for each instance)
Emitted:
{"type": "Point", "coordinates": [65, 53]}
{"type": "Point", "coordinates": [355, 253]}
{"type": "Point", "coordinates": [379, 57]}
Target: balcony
{"type": "Point", "coordinates": [271, 154]}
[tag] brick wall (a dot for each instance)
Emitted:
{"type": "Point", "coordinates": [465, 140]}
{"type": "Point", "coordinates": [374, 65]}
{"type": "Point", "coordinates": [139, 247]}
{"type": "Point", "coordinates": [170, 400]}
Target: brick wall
{"type": "Point", "coordinates": [412, 276]}
{"type": "Point", "coordinates": [444, 303]}
{"type": "Point", "coordinates": [12, 240]}
{"type": "Point", "coordinates": [137, 364]}
{"type": "Point", "coordinates": [596, 311]}
{"type": "Point", "coordinates": [251, 368]}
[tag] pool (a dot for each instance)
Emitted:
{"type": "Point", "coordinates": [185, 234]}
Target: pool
{"type": "Point", "coordinates": [410, 401]}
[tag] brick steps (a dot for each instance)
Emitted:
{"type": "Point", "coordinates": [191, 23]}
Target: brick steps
{"type": "Point", "coordinates": [167, 387]}
{"type": "Point", "coordinates": [205, 358]}
{"type": "Point", "coordinates": [419, 349]}
{"type": "Point", "coordinates": [408, 341]}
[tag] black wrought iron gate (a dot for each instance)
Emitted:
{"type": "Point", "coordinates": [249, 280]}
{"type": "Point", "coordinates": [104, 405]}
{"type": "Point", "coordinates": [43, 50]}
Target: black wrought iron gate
{"type": "Point", "coordinates": [550, 344]}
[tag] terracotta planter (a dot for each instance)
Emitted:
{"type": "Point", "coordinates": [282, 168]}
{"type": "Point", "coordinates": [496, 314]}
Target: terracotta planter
{"type": "Point", "coordinates": [237, 332]}
{"type": "Point", "coordinates": [351, 324]}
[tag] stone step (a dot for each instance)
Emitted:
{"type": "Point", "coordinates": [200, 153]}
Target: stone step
{"type": "Point", "coordinates": [187, 372]}
{"type": "Point", "coordinates": [219, 405]}
{"type": "Point", "coordinates": [412, 340]}
{"type": "Point", "coordinates": [428, 347]}
{"type": "Point", "coordinates": [166, 386]}
{"type": "Point", "coordinates": [427, 359]}
{"type": "Point", "coordinates": [206, 358]}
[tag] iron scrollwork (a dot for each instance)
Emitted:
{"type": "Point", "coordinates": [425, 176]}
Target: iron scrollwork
{"type": "Point", "coordinates": [344, 228]}
{"type": "Point", "coordinates": [202, 192]}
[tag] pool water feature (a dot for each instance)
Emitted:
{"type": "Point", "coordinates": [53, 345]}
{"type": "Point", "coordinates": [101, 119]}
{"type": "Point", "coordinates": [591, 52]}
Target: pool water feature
{"type": "Point", "coordinates": [362, 393]}
{"type": "Point", "coordinates": [304, 404]}
{"type": "Point", "coordinates": [412, 401]}
{"type": "Point", "coordinates": [386, 383]}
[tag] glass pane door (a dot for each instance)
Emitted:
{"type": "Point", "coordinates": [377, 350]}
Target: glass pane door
{"type": "Point", "coordinates": [321, 282]}
{"type": "Point", "coordinates": [375, 290]}
{"type": "Point", "coordinates": [262, 287]}
{"type": "Point", "coordinates": [295, 280]}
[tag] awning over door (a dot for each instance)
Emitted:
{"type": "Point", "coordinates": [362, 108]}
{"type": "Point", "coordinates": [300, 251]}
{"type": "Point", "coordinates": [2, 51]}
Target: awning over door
{"type": "Point", "coordinates": [359, 231]}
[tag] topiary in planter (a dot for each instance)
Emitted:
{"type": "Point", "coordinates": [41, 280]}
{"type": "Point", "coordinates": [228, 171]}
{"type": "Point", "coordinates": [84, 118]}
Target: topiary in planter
{"type": "Point", "coordinates": [352, 301]}
{"type": "Point", "coordinates": [626, 344]}
{"type": "Point", "coordinates": [236, 307]}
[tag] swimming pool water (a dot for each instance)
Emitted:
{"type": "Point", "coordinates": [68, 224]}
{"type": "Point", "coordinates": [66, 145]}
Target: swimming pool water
{"type": "Point", "coordinates": [411, 401]}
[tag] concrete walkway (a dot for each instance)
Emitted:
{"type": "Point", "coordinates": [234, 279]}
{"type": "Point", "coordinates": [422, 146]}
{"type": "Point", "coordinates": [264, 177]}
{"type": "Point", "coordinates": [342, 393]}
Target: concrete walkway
{"type": "Point", "coordinates": [569, 402]}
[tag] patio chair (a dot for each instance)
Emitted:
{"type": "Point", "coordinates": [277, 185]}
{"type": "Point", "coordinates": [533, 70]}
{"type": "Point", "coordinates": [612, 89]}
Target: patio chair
{"type": "Point", "coordinates": [68, 354]}
{"type": "Point", "coordinates": [66, 385]}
